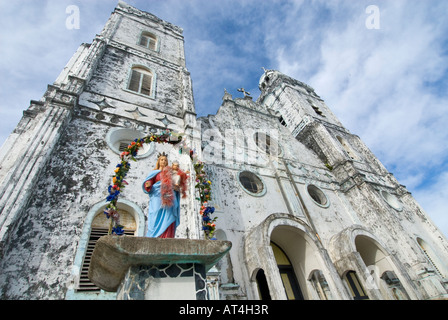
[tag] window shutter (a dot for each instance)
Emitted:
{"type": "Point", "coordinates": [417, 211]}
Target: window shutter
{"type": "Point", "coordinates": [144, 41]}
{"type": "Point", "coordinates": [85, 285]}
{"type": "Point", "coordinates": [146, 85]}
{"type": "Point", "coordinates": [134, 83]}
{"type": "Point", "coordinates": [141, 81]}
{"type": "Point", "coordinates": [123, 145]}
{"type": "Point", "coordinates": [152, 43]}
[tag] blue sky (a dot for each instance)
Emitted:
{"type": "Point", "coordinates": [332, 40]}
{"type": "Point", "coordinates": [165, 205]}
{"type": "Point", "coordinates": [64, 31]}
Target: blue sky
{"type": "Point", "coordinates": [387, 85]}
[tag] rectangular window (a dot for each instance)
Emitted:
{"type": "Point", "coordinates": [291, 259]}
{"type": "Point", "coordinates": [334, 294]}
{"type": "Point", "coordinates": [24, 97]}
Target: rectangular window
{"type": "Point", "coordinates": [282, 121]}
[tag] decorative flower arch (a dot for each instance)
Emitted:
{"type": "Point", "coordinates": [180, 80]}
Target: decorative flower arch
{"type": "Point", "coordinates": [203, 184]}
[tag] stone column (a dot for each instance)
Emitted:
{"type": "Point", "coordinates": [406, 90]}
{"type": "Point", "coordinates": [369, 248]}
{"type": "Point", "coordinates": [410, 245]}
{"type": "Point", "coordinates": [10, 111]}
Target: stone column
{"type": "Point", "coordinates": [140, 268]}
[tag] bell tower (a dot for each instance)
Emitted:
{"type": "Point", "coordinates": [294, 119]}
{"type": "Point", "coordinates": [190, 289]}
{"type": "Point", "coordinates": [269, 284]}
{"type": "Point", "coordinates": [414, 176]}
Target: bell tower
{"type": "Point", "coordinates": [140, 71]}
{"type": "Point", "coordinates": [311, 122]}
{"type": "Point", "coordinates": [300, 109]}
{"type": "Point", "coordinates": [131, 80]}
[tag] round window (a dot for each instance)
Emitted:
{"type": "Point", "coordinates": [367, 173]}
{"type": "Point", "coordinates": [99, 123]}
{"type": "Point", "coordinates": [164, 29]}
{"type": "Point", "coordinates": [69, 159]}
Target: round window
{"type": "Point", "coordinates": [391, 200]}
{"type": "Point", "coordinates": [251, 183]}
{"type": "Point", "coordinates": [318, 196]}
{"type": "Point", "coordinates": [119, 138]}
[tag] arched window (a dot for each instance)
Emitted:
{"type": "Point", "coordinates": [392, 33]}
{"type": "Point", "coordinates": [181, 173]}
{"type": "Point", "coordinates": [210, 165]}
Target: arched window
{"type": "Point", "coordinates": [148, 40]}
{"type": "Point", "coordinates": [99, 228]}
{"type": "Point", "coordinates": [141, 81]}
{"type": "Point", "coordinates": [432, 258]}
{"type": "Point", "coordinates": [96, 225]}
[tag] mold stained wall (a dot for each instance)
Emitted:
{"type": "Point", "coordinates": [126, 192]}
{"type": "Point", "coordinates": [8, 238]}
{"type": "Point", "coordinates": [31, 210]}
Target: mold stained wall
{"type": "Point", "coordinates": [73, 181]}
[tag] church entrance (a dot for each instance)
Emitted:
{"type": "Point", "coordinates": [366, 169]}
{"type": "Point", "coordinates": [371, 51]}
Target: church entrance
{"type": "Point", "coordinates": [285, 262]}
{"type": "Point", "coordinates": [289, 279]}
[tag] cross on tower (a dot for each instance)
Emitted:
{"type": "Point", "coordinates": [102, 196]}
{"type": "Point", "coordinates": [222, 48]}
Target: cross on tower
{"type": "Point", "coordinates": [246, 93]}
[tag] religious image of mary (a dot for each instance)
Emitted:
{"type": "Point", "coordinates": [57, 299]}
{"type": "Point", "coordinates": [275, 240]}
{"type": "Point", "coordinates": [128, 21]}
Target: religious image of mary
{"type": "Point", "coordinates": [164, 198]}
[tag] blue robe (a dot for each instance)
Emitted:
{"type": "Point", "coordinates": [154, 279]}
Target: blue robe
{"type": "Point", "coordinates": [160, 218]}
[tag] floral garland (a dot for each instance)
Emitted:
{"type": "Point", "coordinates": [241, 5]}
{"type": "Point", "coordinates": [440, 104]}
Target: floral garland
{"type": "Point", "coordinates": [203, 185]}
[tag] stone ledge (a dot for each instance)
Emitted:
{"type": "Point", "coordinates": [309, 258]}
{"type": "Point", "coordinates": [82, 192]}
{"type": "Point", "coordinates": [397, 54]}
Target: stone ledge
{"type": "Point", "coordinates": [113, 255]}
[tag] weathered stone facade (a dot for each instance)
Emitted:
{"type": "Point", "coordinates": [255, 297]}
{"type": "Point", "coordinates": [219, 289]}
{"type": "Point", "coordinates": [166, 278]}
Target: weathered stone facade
{"type": "Point", "coordinates": [288, 181]}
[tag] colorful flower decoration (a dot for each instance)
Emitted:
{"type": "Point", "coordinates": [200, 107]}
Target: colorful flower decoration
{"type": "Point", "coordinates": [203, 185]}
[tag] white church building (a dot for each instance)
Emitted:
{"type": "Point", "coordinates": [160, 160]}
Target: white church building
{"type": "Point", "coordinates": [311, 212]}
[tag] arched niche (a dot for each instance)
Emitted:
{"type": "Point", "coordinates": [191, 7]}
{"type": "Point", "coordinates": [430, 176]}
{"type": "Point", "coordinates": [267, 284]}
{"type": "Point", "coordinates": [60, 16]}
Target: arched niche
{"type": "Point", "coordinates": [95, 224]}
{"type": "Point", "coordinates": [358, 250]}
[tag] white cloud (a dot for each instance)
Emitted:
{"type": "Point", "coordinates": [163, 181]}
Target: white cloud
{"type": "Point", "coordinates": [35, 45]}
{"type": "Point", "coordinates": [377, 82]}
{"type": "Point", "coordinates": [433, 200]}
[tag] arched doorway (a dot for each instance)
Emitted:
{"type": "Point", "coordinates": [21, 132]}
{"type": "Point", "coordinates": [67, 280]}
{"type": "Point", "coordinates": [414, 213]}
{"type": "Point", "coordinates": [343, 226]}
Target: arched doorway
{"type": "Point", "coordinates": [297, 257]}
{"type": "Point", "coordinates": [380, 274]}
{"type": "Point", "coordinates": [304, 255]}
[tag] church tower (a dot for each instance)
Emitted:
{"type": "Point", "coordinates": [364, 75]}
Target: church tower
{"type": "Point", "coordinates": [56, 165]}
